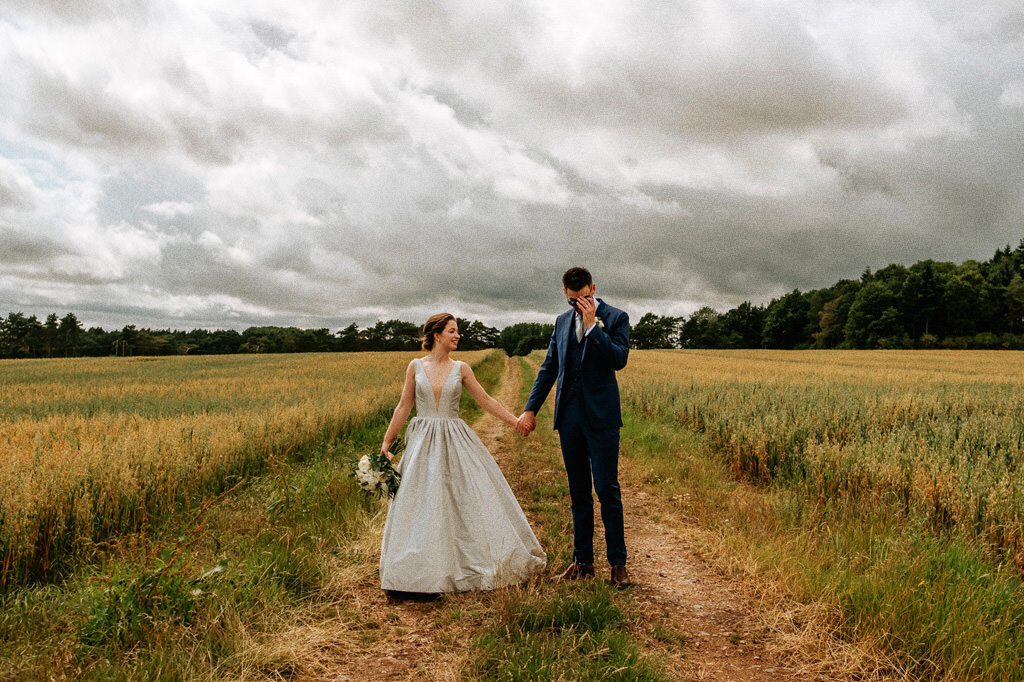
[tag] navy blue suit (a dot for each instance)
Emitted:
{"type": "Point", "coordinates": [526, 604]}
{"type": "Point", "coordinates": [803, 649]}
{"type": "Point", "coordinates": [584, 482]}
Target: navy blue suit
{"type": "Point", "coordinates": [588, 418]}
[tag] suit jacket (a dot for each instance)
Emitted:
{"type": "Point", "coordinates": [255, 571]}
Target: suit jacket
{"type": "Point", "coordinates": [604, 352]}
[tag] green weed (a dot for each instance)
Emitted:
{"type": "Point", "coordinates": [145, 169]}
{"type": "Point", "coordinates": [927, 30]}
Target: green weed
{"type": "Point", "coordinates": [572, 633]}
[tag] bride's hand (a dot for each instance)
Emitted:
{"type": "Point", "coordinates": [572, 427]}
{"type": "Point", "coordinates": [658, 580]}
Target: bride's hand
{"type": "Point", "coordinates": [385, 449]}
{"type": "Point", "coordinates": [526, 423]}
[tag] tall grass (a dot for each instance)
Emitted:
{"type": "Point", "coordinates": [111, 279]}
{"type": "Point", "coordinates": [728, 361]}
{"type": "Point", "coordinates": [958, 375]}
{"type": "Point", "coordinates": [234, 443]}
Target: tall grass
{"type": "Point", "coordinates": [889, 496]}
{"type": "Point", "coordinates": [258, 588]}
{"type": "Point", "coordinates": [95, 447]}
{"type": "Point", "coordinates": [940, 433]}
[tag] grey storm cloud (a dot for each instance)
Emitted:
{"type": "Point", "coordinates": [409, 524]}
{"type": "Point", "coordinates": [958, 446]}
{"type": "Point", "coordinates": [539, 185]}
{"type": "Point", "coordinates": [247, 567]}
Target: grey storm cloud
{"type": "Point", "coordinates": [235, 164]}
{"type": "Point", "coordinates": [22, 249]}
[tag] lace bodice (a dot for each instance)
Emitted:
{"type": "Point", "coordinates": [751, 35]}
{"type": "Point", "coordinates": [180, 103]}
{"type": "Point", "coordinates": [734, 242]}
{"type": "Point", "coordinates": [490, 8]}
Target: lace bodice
{"type": "Point", "coordinates": [451, 393]}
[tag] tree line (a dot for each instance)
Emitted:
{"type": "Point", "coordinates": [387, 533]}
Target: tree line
{"type": "Point", "coordinates": [24, 336]}
{"type": "Point", "coordinates": [929, 304]}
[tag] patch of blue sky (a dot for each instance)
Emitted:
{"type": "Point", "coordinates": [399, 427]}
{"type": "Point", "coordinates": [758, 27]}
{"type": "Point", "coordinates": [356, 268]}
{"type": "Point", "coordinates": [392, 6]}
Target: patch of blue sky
{"type": "Point", "coordinates": [45, 171]}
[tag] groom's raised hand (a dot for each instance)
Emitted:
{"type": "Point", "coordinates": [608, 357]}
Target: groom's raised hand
{"type": "Point", "coordinates": [587, 307]}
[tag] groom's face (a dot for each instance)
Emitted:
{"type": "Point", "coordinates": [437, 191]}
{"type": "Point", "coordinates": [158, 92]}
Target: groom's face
{"type": "Point", "coordinates": [573, 294]}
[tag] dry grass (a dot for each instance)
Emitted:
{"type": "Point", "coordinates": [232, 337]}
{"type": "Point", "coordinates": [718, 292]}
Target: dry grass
{"type": "Point", "coordinates": [940, 433]}
{"type": "Point", "coordinates": [96, 447]}
{"type": "Point", "coordinates": [882, 537]}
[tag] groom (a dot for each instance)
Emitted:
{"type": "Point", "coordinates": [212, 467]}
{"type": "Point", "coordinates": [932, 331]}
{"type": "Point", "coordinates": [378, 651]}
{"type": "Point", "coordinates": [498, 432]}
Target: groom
{"type": "Point", "coordinates": [589, 344]}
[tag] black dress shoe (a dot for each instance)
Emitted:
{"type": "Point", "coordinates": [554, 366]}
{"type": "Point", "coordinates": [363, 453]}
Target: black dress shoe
{"type": "Point", "coordinates": [620, 577]}
{"type": "Point", "coordinates": [576, 571]}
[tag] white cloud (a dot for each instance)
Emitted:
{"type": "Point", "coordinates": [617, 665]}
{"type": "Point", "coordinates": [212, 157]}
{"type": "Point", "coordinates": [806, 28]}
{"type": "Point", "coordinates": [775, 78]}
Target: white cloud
{"type": "Point", "coordinates": [302, 162]}
{"type": "Point", "coordinates": [17, 191]}
{"type": "Point", "coordinates": [170, 209]}
{"type": "Point", "coordinates": [1012, 96]}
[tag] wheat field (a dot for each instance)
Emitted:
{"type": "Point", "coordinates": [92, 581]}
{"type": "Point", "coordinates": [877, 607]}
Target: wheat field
{"type": "Point", "coordinates": [939, 433]}
{"type": "Point", "coordinates": [95, 447]}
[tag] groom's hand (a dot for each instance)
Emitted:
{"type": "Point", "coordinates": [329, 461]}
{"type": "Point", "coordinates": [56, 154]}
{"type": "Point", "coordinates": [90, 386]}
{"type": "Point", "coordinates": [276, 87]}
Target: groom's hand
{"type": "Point", "coordinates": [526, 423]}
{"type": "Point", "coordinates": [588, 310]}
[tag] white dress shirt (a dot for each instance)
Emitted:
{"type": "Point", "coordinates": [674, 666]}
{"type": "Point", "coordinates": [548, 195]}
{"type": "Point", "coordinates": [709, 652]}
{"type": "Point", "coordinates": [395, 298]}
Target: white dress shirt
{"type": "Point", "coordinates": [580, 332]}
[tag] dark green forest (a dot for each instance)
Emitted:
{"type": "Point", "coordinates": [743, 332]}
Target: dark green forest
{"type": "Point", "coordinates": [27, 337]}
{"type": "Point", "coordinates": [58, 337]}
{"type": "Point", "coordinates": [929, 304]}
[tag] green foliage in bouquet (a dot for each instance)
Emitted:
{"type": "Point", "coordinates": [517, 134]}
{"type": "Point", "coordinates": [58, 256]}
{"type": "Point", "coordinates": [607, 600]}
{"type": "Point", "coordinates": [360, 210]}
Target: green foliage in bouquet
{"type": "Point", "coordinates": [375, 474]}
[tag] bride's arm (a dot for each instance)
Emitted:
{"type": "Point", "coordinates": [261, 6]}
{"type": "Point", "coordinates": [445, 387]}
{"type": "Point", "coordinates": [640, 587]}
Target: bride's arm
{"type": "Point", "coordinates": [486, 402]}
{"type": "Point", "coordinates": [402, 410]}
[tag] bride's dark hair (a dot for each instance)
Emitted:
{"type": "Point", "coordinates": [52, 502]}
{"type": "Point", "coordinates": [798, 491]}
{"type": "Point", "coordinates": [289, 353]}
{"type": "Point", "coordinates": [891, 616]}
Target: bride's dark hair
{"type": "Point", "coordinates": [435, 325]}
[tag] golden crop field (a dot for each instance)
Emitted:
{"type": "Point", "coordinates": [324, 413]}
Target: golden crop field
{"type": "Point", "coordinates": [94, 447]}
{"type": "Point", "coordinates": [937, 433]}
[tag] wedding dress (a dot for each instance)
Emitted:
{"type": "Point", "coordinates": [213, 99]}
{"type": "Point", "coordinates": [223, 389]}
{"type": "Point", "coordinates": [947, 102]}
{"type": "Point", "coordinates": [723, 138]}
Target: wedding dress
{"type": "Point", "coordinates": [454, 524]}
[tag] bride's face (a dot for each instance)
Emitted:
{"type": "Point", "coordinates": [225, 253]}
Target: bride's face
{"type": "Point", "coordinates": [449, 338]}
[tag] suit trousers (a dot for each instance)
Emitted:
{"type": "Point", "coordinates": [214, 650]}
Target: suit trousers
{"type": "Point", "coordinates": [592, 456]}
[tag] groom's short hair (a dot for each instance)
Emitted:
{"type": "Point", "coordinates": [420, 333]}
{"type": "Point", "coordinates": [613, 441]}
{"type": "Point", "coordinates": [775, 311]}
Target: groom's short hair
{"type": "Point", "coordinates": [576, 278]}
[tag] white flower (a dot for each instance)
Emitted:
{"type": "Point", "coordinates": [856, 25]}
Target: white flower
{"type": "Point", "coordinates": [374, 474]}
{"type": "Point", "coordinates": [599, 321]}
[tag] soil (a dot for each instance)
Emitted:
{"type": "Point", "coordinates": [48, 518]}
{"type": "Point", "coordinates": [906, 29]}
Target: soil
{"type": "Point", "coordinates": [713, 611]}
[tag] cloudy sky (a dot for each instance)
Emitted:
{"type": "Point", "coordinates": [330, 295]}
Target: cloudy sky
{"type": "Point", "coordinates": [220, 164]}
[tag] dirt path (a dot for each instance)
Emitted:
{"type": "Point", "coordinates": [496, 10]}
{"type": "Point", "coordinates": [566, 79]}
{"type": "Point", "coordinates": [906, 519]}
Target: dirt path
{"type": "Point", "coordinates": [713, 611]}
{"type": "Point", "coordinates": [671, 584]}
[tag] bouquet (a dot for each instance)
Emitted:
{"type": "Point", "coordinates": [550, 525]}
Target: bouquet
{"type": "Point", "coordinates": [375, 474]}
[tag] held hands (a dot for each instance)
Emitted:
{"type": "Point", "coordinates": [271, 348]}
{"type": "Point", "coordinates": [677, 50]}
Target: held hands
{"type": "Point", "coordinates": [526, 423]}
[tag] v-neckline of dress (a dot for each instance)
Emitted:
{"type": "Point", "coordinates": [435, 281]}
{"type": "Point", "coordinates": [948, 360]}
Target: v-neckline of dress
{"type": "Point", "coordinates": [437, 394]}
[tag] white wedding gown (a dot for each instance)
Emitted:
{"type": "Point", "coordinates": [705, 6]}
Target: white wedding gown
{"type": "Point", "coordinates": [454, 524]}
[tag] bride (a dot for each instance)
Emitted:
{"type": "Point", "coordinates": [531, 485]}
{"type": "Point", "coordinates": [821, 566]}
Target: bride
{"type": "Point", "coordinates": [454, 524]}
